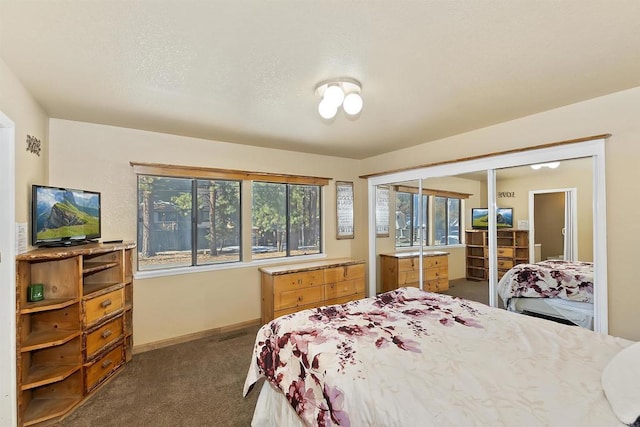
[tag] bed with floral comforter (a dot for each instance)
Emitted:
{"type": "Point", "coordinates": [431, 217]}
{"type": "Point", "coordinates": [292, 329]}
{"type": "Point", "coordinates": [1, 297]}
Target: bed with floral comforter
{"type": "Point", "coordinates": [409, 357]}
{"type": "Point", "coordinates": [568, 280]}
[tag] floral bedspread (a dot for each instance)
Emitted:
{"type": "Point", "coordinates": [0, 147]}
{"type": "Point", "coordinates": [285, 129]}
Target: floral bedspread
{"type": "Point", "coordinates": [569, 280]}
{"type": "Point", "coordinates": [409, 357]}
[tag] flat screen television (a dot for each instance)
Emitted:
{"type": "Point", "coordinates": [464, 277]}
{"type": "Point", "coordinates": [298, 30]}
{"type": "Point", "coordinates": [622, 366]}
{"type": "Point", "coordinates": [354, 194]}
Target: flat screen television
{"type": "Point", "coordinates": [64, 216]}
{"type": "Point", "coordinates": [480, 218]}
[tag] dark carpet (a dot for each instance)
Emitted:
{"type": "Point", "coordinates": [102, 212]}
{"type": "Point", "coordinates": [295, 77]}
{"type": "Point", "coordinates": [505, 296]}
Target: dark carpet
{"type": "Point", "coordinates": [198, 383]}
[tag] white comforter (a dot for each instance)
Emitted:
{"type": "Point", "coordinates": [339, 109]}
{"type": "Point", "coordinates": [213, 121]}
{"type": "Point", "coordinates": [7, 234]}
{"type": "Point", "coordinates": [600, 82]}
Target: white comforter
{"type": "Point", "coordinates": [410, 357]}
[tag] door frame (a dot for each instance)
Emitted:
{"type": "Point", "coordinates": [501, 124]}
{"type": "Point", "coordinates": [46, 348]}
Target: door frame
{"type": "Point", "coordinates": [570, 219]}
{"type": "Point", "coordinates": [8, 409]}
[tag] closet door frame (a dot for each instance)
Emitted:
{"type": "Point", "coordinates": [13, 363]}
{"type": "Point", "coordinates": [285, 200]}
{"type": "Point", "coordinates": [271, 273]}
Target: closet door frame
{"type": "Point", "coordinates": [593, 148]}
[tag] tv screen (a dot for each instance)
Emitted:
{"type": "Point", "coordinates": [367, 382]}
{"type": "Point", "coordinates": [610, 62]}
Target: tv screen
{"type": "Point", "coordinates": [64, 216]}
{"type": "Point", "coordinates": [480, 218]}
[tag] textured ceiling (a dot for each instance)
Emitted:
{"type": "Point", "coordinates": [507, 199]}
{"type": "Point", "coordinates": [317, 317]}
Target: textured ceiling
{"type": "Point", "coordinates": [245, 71]}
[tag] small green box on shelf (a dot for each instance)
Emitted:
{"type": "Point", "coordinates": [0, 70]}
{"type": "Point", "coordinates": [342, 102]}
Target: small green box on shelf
{"type": "Point", "coordinates": [35, 292]}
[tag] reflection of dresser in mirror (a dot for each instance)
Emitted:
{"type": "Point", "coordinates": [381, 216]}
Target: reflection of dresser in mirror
{"type": "Point", "coordinates": [401, 269]}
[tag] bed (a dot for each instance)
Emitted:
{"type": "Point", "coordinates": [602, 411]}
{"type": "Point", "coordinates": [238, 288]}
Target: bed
{"type": "Point", "coordinates": [555, 289]}
{"type": "Point", "coordinates": [410, 357]}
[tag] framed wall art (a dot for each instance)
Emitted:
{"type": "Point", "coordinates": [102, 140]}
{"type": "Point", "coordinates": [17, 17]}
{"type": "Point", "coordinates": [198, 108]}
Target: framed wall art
{"type": "Point", "coordinates": [344, 210]}
{"type": "Point", "coordinates": [382, 211]}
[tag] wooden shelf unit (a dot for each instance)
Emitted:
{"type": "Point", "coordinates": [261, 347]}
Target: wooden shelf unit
{"type": "Point", "coordinates": [512, 249]}
{"type": "Point", "coordinates": [85, 287]}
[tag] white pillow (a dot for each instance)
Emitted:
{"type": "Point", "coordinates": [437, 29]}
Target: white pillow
{"type": "Point", "coordinates": [621, 383]}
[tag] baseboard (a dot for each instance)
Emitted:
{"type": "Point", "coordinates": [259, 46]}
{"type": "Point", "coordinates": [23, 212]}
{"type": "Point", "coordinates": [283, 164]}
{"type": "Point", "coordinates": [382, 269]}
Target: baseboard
{"type": "Point", "coordinates": [197, 335]}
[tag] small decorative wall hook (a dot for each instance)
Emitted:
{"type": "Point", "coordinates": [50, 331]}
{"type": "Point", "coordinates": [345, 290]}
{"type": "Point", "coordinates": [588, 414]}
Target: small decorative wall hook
{"type": "Point", "coordinates": [33, 145]}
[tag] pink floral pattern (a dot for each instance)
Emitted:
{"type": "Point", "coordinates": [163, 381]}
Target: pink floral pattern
{"type": "Point", "coordinates": [300, 352]}
{"type": "Point", "coordinates": [569, 280]}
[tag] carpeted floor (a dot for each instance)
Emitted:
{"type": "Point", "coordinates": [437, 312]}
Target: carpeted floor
{"type": "Point", "coordinates": [198, 383]}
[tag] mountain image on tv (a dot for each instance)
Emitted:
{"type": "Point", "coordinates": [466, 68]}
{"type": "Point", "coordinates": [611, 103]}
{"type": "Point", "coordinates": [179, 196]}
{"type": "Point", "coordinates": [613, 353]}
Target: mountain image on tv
{"type": "Point", "coordinates": [66, 214]}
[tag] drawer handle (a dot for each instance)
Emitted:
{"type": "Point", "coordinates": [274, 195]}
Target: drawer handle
{"type": "Point", "coordinates": [106, 363]}
{"type": "Point", "coordinates": [300, 299]}
{"type": "Point", "coordinates": [106, 333]}
{"type": "Point", "coordinates": [106, 303]}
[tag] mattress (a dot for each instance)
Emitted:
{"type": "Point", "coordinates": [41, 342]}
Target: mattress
{"type": "Point", "coordinates": [575, 312]}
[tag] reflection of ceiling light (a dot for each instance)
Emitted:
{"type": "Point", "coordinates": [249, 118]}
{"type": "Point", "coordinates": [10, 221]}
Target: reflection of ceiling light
{"type": "Point", "coordinates": [343, 92]}
{"type": "Point", "coordinates": [551, 165]}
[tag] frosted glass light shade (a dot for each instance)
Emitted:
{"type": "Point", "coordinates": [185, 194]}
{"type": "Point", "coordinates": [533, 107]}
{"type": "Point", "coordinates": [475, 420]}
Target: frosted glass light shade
{"type": "Point", "coordinates": [553, 165]}
{"type": "Point", "coordinates": [352, 103]}
{"type": "Point", "coordinates": [334, 95]}
{"type": "Point", "coordinates": [326, 109]}
{"type": "Point", "coordinates": [536, 167]}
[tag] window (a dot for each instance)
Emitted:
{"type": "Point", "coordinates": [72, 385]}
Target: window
{"type": "Point", "coordinates": [407, 224]}
{"type": "Point", "coordinates": [286, 220]}
{"type": "Point", "coordinates": [446, 219]}
{"type": "Point", "coordinates": [440, 217]}
{"type": "Point", "coordinates": [191, 216]}
{"type": "Point", "coordinates": [186, 221]}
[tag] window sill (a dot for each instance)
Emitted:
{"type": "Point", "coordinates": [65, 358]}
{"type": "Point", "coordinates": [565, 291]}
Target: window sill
{"type": "Point", "coordinates": [148, 274]}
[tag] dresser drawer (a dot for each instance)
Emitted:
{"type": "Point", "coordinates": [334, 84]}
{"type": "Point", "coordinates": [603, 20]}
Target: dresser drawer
{"type": "Point", "coordinates": [342, 289]}
{"type": "Point", "coordinates": [106, 334]}
{"type": "Point", "coordinates": [95, 309]}
{"type": "Point", "coordinates": [103, 367]}
{"type": "Point", "coordinates": [408, 264]}
{"type": "Point", "coordinates": [298, 297]}
{"type": "Point", "coordinates": [345, 299]}
{"type": "Point", "coordinates": [347, 272]}
{"type": "Point", "coordinates": [406, 277]}
{"type": "Point", "coordinates": [505, 264]}
{"type": "Point", "coordinates": [434, 261]}
{"type": "Point", "coordinates": [293, 281]}
{"type": "Point", "coordinates": [283, 312]}
{"type": "Point", "coordinates": [436, 285]}
{"type": "Point", "coordinates": [505, 252]}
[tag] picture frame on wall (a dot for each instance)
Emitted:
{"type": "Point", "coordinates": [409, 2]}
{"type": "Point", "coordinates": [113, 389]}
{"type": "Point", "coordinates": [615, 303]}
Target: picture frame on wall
{"type": "Point", "coordinates": [344, 210]}
{"type": "Point", "coordinates": [382, 211]}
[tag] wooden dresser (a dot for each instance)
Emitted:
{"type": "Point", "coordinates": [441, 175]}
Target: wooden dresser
{"type": "Point", "coordinates": [401, 269]}
{"type": "Point", "coordinates": [294, 287]}
{"type": "Point", "coordinates": [512, 249]}
{"type": "Point", "coordinates": [80, 334]}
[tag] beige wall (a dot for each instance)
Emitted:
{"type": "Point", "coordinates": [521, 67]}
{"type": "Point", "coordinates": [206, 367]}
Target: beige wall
{"type": "Point", "coordinates": [97, 157]}
{"type": "Point", "coordinates": [29, 119]}
{"type": "Point", "coordinates": [616, 114]}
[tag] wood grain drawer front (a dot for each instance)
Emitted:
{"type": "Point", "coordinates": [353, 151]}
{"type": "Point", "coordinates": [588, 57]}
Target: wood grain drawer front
{"type": "Point", "coordinates": [343, 289]}
{"type": "Point", "coordinates": [290, 310]}
{"type": "Point", "coordinates": [347, 272]}
{"type": "Point", "coordinates": [436, 273]}
{"type": "Point", "coordinates": [437, 285]}
{"type": "Point", "coordinates": [344, 300]}
{"type": "Point", "coordinates": [106, 334]}
{"type": "Point", "coordinates": [434, 261]}
{"type": "Point", "coordinates": [407, 264]}
{"type": "Point", "coordinates": [505, 252]}
{"type": "Point", "coordinates": [102, 368]}
{"type": "Point", "coordinates": [298, 297]}
{"type": "Point", "coordinates": [406, 277]}
{"type": "Point", "coordinates": [102, 306]}
{"type": "Point", "coordinates": [294, 281]}
{"type": "Point", "coordinates": [505, 263]}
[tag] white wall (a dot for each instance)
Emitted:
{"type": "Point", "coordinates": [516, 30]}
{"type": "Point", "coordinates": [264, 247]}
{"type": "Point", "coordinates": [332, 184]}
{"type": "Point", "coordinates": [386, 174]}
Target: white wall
{"type": "Point", "coordinates": [616, 114]}
{"type": "Point", "coordinates": [19, 115]}
{"type": "Point", "coordinates": [97, 157]}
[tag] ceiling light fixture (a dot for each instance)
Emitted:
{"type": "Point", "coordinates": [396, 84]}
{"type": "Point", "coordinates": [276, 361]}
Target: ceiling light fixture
{"type": "Point", "coordinates": [335, 93]}
{"type": "Point", "coordinates": [551, 165]}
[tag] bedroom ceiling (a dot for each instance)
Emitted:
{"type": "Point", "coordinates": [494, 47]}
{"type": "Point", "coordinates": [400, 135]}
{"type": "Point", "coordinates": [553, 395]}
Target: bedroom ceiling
{"type": "Point", "coordinates": [245, 71]}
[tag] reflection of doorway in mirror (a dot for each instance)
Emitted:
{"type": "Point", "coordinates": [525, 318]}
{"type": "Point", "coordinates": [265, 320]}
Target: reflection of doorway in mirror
{"type": "Point", "coordinates": [553, 224]}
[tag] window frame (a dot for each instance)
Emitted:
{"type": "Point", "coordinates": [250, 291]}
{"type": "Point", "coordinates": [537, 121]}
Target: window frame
{"type": "Point", "coordinates": [246, 179]}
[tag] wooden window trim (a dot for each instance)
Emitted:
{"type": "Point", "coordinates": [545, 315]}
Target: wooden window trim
{"type": "Point", "coordinates": [177, 171]}
{"type": "Point", "coordinates": [432, 192]}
